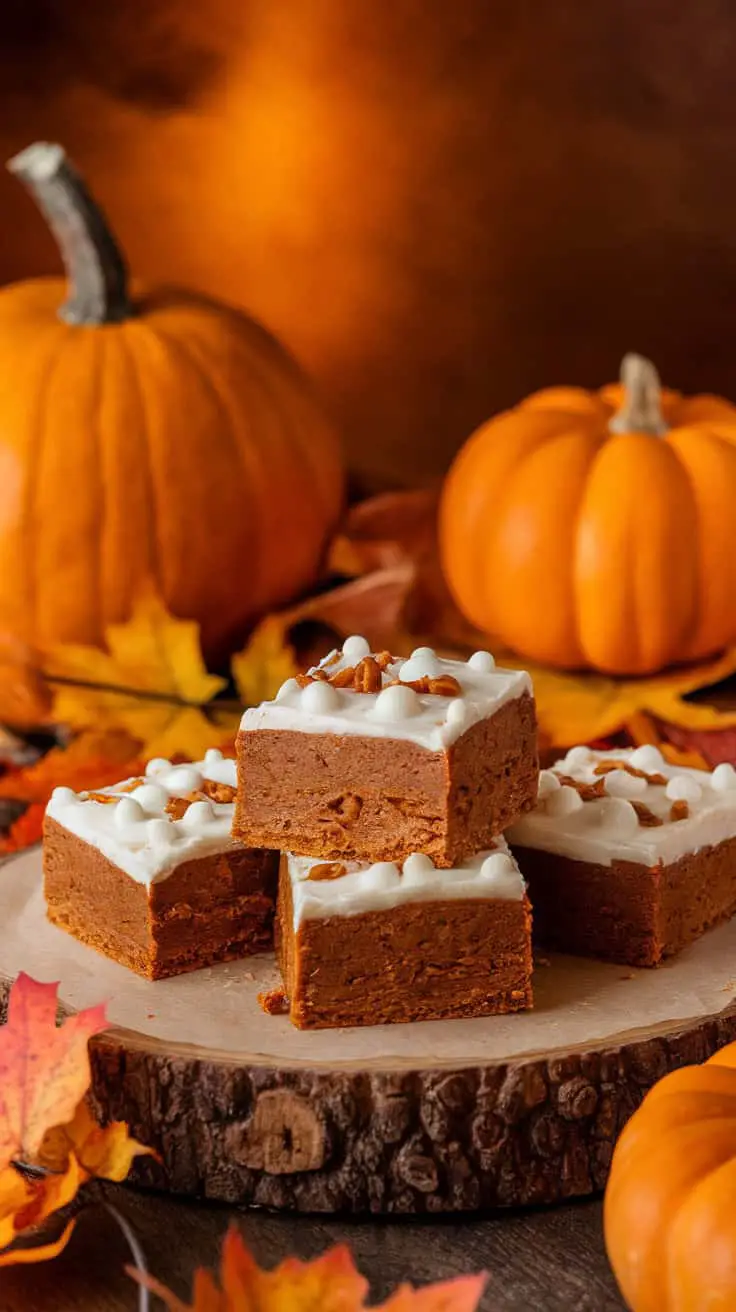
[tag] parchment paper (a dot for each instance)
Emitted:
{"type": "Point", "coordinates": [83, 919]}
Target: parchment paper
{"type": "Point", "coordinates": [577, 1002]}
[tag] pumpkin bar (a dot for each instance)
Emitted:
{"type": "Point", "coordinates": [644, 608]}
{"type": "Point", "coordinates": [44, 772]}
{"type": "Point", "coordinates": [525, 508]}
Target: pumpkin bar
{"type": "Point", "coordinates": [369, 757]}
{"type": "Point", "coordinates": [378, 943]}
{"type": "Point", "coordinates": [628, 858]}
{"type": "Point", "coordinates": [147, 873]}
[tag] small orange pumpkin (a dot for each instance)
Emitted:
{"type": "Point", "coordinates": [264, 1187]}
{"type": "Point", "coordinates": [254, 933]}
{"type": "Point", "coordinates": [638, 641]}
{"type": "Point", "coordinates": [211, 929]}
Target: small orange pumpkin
{"type": "Point", "coordinates": [150, 436]}
{"type": "Point", "coordinates": [598, 529]}
{"type": "Point", "coordinates": [671, 1197]}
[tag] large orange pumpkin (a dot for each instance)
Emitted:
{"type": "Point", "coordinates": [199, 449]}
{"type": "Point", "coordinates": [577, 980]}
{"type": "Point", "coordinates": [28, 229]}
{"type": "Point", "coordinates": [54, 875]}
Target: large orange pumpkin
{"type": "Point", "coordinates": [155, 435]}
{"type": "Point", "coordinates": [671, 1198]}
{"type": "Point", "coordinates": [598, 529]}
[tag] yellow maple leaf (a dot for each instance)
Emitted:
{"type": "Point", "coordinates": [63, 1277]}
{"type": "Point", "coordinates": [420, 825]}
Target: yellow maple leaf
{"type": "Point", "coordinates": [151, 680]}
{"type": "Point", "coordinates": [265, 662]}
{"type": "Point", "coordinates": [580, 707]}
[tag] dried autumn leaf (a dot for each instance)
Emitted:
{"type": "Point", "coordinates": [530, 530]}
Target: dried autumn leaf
{"type": "Point", "coordinates": [25, 1203]}
{"type": "Point", "coordinates": [265, 663]}
{"type": "Point", "coordinates": [44, 1068]}
{"type": "Point", "coordinates": [91, 760]}
{"type": "Point", "coordinates": [25, 831]}
{"type": "Point", "coordinates": [104, 1151]}
{"type": "Point", "coordinates": [331, 1283]}
{"type": "Point", "coordinates": [151, 681]}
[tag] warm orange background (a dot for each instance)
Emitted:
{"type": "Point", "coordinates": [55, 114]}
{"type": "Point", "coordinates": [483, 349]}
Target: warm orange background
{"type": "Point", "coordinates": [439, 206]}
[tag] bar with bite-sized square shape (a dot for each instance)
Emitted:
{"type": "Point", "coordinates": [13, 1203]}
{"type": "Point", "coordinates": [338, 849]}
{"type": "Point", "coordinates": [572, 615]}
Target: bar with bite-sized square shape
{"type": "Point", "coordinates": [380, 943]}
{"type": "Point", "coordinates": [628, 858]}
{"type": "Point", "coordinates": [369, 757]}
{"type": "Point", "coordinates": [147, 873]}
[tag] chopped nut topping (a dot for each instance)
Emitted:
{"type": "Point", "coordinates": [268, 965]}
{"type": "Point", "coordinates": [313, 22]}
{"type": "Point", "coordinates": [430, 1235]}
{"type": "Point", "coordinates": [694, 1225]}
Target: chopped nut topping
{"type": "Point", "coordinates": [445, 685]}
{"type": "Point", "coordinates": [105, 798]}
{"type": "Point", "coordinates": [303, 680]}
{"type": "Point", "coordinates": [328, 870]}
{"type": "Point", "coordinates": [646, 816]}
{"type": "Point", "coordinates": [384, 658]}
{"type": "Point", "coordinates": [176, 807]}
{"type": "Point", "coordinates": [222, 793]}
{"type": "Point", "coordinates": [343, 678]}
{"type": "Point", "coordinates": [131, 784]}
{"type": "Point", "coordinates": [274, 1002]}
{"type": "Point", "coordinates": [679, 810]}
{"type": "Point", "coordinates": [605, 767]}
{"type": "Point", "coordinates": [367, 677]}
{"type": "Point", "coordinates": [588, 792]}
{"type": "Point", "coordinates": [332, 659]}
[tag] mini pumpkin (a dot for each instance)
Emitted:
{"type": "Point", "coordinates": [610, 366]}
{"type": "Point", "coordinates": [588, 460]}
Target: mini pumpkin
{"type": "Point", "coordinates": [671, 1194]}
{"type": "Point", "coordinates": [597, 529]}
{"type": "Point", "coordinates": [149, 435]}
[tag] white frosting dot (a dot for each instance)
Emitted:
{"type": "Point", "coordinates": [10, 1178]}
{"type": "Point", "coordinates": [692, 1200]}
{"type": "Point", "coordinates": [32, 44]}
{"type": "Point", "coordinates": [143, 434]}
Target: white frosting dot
{"type": "Point", "coordinates": [502, 875]}
{"type": "Point", "coordinates": [482, 662]}
{"type": "Point", "coordinates": [320, 698]}
{"type": "Point", "coordinates": [213, 755]}
{"type": "Point", "coordinates": [617, 813]}
{"type": "Point", "coordinates": [683, 789]}
{"type": "Point", "coordinates": [396, 703]}
{"type": "Point", "coordinates": [64, 796]}
{"type": "Point", "coordinates": [577, 757]}
{"type": "Point", "coordinates": [157, 765]}
{"type": "Point", "coordinates": [723, 778]}
{"type": "Point", "coordinates": [548, 783]}
{"type": "Point", "coordinates": [563, 801]}
{"type": "Point", "coordinates": [182, 779]}
{"type": "Point", "coordinates": [422, 664]}
{"type": "Point", "coordinates": [128, 812]}
{"type": "Point", "coordinates": [160, 832]}
{"type": "Point", "coordinates": [383, 874]}
{"type": "Point", "coordinates": [355, 648]}
{"type": "Point", "coordinates": [619, 783]}
{"type": "Point", "coordinates": [287, 689]}
{"type": "Point", "coordinates": [151, 798]}
{"type": "Point", "coordinates": [416, 867]}
{"type": "Point", "coordinates": [647, 757]}
{"type": "Point", "coordinates": [197, 815]}
{"type": "Point", "coordinates": [456, 713]}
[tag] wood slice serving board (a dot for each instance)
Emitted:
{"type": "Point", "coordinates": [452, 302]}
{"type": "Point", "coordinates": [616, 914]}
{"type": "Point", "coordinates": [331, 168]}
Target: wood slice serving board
{"type": "Point", "coordinates": [441, 1116]}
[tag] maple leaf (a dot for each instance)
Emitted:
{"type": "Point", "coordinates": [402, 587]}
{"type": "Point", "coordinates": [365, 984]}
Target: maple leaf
{"type": "Point", "coordinates": [265, 663]}
{"type": "Point", "coordinates": [151, 681]}
{"type": "Point", "coordinates": [44, 1118]}
{"type": "Point", "coordinates": [44, 1069]}
{"type": "Point", "coordinates": [331, 1283]}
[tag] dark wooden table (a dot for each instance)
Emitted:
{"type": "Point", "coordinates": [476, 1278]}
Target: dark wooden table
{"type": "Point", "coordinates": [538, 1261]}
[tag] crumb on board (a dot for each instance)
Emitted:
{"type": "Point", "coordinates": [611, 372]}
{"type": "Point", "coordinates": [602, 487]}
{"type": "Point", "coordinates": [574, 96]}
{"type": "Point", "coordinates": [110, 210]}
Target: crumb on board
{"type": "Point", "coordinates": [274, 1002]}
{"type": "Point", "coordinates": [542, 961]}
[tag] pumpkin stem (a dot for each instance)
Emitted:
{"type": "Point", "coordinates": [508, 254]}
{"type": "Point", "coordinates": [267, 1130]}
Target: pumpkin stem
{"type": "Point", "coordinates": [641, 411]}
{"type": "Point", "coordinates": [95, 266]}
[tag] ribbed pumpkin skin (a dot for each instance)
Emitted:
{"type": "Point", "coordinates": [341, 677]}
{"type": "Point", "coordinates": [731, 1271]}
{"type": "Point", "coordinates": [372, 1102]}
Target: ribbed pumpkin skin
{"type": "Point", "coordinates": [671, 1196]}
{"type": "Point", "coordinates": [181, 445]}
{"type": "Point", "coordinates": [582, 548]}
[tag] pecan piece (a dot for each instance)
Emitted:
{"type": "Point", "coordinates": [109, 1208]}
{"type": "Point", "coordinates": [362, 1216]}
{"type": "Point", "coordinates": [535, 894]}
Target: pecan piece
{"type": "Point", "coordinates": [445, 685]}
{"type": "Point", "coordinates": [176, 807]}
{"type": "Point", "coordinates": [646, 816]}
{"type": "Point", "coordinates": [384, 658]}
{"type": "Point", "coordinates": [605, 767]}
{"type": "Point", "coordinates": [105, 798]}
{"type": "Point", "coordinates": [216, 792]}
{"type": "Point", "coordinates": [274, 1002]}
{"type": "Point", "coordinates": [328, 870]}
{"type": "Point", "coordinates": [131, 784]}
{"type": "Point", "coordinates": [343, 678]}
{"type": "Point", "coordinates": [367, 676]}
{"type": "Point", "coordinates": [588, 792]}
{"type": "Point", "coordinates": [679, 810]}
{"type": "Point", "coordinates": [303, 679]}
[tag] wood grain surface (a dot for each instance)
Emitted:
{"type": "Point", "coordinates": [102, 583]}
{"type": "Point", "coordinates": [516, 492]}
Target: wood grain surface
{"type": "Point", "coordinates": [539, 1261]}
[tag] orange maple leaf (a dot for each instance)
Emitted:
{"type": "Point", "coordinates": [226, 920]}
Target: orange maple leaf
{"type": "Point", "coordinates": [45, 1120]}
{"type": "Point", "coordinates": [331, 1283]}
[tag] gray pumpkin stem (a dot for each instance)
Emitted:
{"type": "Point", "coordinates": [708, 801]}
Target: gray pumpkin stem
{"type": "Point", "coordinates": [94, 263]}
{"type": "Point", "coordinates": [641, 411]}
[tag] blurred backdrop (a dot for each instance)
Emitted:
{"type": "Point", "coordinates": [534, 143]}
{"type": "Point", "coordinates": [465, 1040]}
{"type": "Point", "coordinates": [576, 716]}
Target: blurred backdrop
{"type": "Point", "coordinates": [439, 207]}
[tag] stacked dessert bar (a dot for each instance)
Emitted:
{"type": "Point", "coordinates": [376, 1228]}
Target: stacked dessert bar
{"type": "Point", "coordinates": [386, 785]}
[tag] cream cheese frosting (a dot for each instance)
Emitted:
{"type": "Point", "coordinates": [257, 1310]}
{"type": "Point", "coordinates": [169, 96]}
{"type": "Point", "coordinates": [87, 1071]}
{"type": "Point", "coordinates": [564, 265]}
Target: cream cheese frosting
{"type": "Point", "coordinates": [608, 828]}
{"type": "Point", "coordinates": [134, 830]}
{"type": "Point", "coordinates": [396, 711]}
{"type": "Point", "coordinates": [383, 885]}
